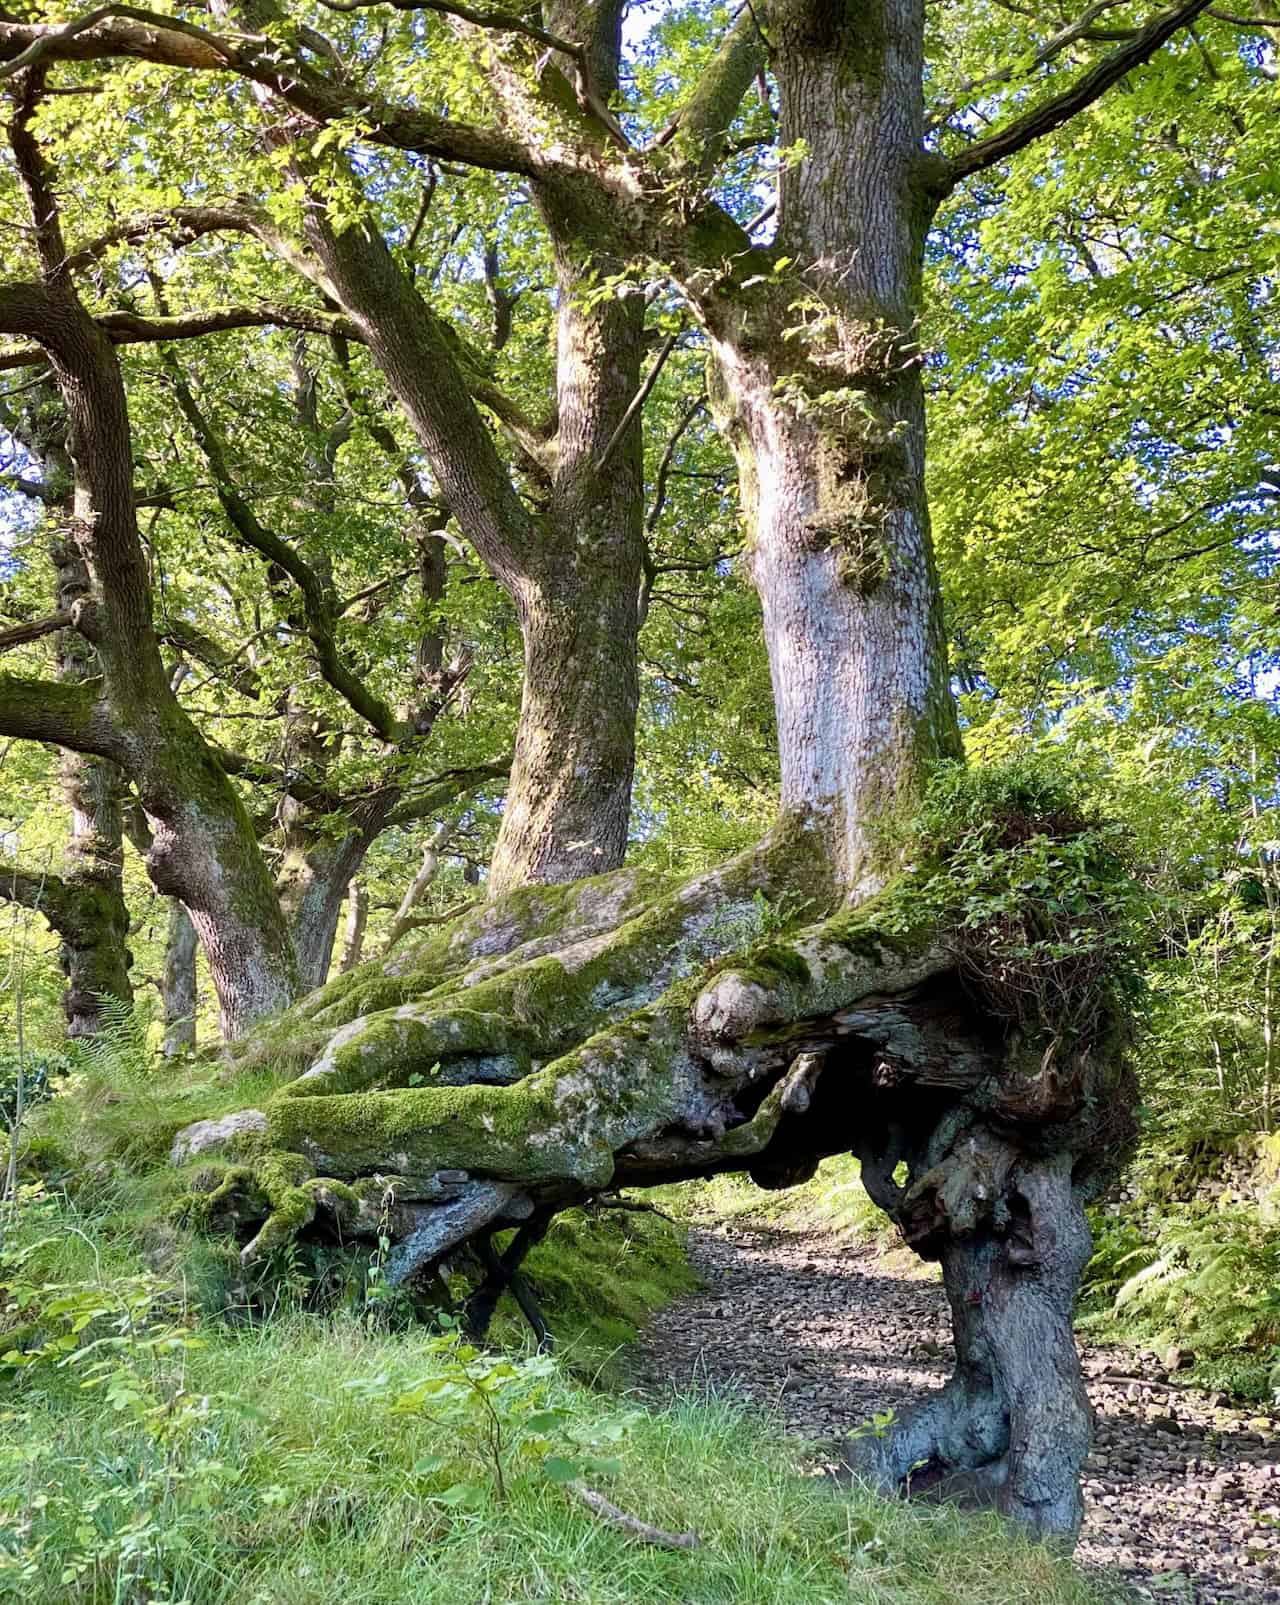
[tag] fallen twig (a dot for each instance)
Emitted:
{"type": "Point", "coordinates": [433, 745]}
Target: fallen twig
{"type": "Point", "coordinates": [599, 1506]}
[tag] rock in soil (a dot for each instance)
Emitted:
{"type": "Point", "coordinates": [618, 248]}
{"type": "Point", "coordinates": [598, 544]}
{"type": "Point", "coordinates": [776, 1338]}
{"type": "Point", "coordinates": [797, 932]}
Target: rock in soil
{"type": "Point", "coordinates": [1182, 1492]}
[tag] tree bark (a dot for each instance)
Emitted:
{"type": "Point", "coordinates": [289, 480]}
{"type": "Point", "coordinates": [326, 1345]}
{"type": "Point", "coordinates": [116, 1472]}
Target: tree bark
{"type": "Point", "coordinates": [178, 983]}
{"type": "Point", "coordinates": [829, 434]}
{"type": "Point", "coordinates": [569, 800]}
{"type": "Point", "coordinates": [89, 911]}
{"type": "Point", "coordinates": [1012, 1426]}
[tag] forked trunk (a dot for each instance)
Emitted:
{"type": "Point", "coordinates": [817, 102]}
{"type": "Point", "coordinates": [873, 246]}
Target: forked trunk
{"type": "Point", "coordinates": [573, 571]}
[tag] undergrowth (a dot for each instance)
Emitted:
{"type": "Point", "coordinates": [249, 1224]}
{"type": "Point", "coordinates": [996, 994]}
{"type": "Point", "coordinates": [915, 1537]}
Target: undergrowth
{"type": "Point", "coordinates": [301, 1460]}
{"type": "Point", "coordinates": [833, 1201]}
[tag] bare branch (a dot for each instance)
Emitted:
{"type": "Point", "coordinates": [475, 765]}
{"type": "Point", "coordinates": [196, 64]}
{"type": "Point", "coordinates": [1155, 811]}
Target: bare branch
{"type": "Point", "coordinates": [20, 634]}
{"type": "Point", "coordinates": [638, 400]}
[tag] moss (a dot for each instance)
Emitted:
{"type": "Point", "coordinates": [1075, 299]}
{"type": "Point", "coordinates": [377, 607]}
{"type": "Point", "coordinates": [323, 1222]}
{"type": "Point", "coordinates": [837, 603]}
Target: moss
{"type": "Point", "coordinates": [773, 963]}
{"type": "Point", "coordinates": [891, 921]}
{"type": "Point", "coordinates": [600, 1273]}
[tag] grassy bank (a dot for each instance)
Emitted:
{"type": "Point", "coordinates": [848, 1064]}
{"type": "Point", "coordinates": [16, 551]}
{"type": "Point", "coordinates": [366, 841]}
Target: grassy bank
{"type": "Point", "coordinates": [305, 1459]}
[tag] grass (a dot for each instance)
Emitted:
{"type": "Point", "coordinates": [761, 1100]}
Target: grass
{"type": "Point", "coordinates": [289, 1486]}
{"type": "Point", "coordinates": [167, 1455]}
{"type": "Point", "coordinates": [833, 1202]}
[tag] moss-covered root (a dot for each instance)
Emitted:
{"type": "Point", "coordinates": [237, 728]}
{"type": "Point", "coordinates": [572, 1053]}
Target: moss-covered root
{"type": "Point", "coordinates": [538, 971]}
{"type": "Point", "coordinates": [278, 1191]}
{"type": "Point", "coordinates": [657, 1089]}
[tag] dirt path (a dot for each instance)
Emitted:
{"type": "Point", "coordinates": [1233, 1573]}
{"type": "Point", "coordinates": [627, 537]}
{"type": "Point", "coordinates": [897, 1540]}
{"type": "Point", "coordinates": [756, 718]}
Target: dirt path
{"type": "Point", "coordinates": [1183, 1494]}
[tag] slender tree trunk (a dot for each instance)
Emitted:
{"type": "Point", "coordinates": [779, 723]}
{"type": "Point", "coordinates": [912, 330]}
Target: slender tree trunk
{"type": "Point", "coordinates": [95, 956]}
{"type": "Point", "coordinates": [178, 985]}
{"type": "Point", "coordinates": [416, 890]}
{"type": "Point", "coordinates": [356, 925]}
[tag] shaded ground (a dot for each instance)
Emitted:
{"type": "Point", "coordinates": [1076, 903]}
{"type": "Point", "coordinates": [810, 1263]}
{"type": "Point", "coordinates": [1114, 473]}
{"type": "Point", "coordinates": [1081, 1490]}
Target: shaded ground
{"type": "Point", "coordinates": [1183, 1493]}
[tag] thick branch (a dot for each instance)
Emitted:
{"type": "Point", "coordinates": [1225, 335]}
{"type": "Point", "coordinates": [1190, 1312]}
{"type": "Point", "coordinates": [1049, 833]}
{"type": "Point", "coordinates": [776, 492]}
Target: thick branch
{"type": "Point", "coordinates": [33, 630]}
{"type": "Point", "coordinates": [1052, 47]}
{"type": "Point", "coordinates": [130, 32]}
{"type": "Point", "coordinates": [1061, 108]}
{"type": "Point", "coordinates": [40, 890]}
{"type": "Point", "coordinates": [128, 328]}
{"type": "Point", "coordinates": [703, 122]}
{"type": "Point", "coordinates": [69, 714]}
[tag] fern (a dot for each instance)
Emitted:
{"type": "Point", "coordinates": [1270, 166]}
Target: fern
{"type": "Point", "coordinates": [119, 1053]}
{"type": "Point", "coordinates": [1210, 1280]}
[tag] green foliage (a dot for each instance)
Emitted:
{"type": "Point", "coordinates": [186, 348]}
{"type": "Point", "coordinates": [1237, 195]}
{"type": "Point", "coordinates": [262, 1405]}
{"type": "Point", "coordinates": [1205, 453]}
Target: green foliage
{"type": "Point", "coordinates": [120, 1052]}
{"type": "Point", "coordinates": [1205, 1278]}
{"type": "Point", "coordinates": [1038, 899]}
{"type": "Point", "coordinates": [270, 1479]}
{"type": "Point", "coordinates": [498, 1416]}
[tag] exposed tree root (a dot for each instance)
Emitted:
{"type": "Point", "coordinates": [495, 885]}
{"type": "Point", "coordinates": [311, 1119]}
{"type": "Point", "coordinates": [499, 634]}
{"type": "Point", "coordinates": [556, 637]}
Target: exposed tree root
{"type": "Point", "coordinates": [503, 1274]}
{"type": "Point", "coordinates": [547, 1059]}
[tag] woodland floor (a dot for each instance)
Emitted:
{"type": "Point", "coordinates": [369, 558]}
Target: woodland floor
{"type": "Point", "coordinates": [1183, 1491]}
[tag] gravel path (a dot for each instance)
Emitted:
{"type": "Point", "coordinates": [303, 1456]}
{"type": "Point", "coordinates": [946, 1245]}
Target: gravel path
{"type": "Point", "coordinates": [1183, 1493]}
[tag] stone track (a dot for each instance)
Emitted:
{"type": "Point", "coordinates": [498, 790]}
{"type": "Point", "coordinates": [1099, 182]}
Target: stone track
{"type": "Point", "coordinates": [1182, 1489]}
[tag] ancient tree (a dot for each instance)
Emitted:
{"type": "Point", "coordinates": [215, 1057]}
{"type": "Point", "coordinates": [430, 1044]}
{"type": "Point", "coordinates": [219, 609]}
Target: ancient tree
{"type": "Point", "coordinates": [807, 997]}
{"type": "Point", "coordinates": [267, 928]}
